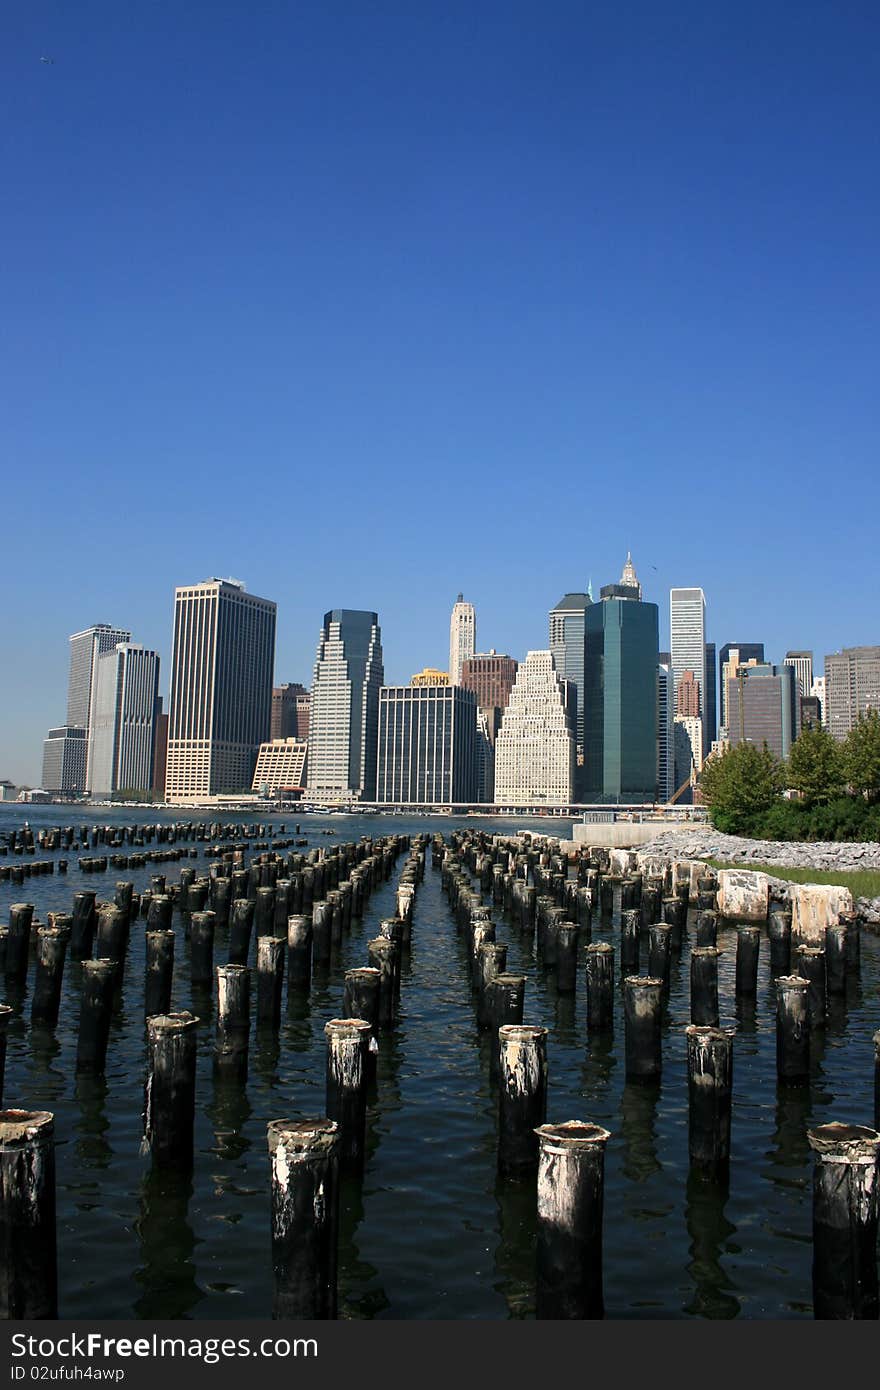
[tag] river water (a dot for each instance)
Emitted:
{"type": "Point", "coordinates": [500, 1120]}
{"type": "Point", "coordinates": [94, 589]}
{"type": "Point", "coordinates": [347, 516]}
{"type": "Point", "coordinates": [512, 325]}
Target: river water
{"type": "Point", "coordinates": [431, 1232]}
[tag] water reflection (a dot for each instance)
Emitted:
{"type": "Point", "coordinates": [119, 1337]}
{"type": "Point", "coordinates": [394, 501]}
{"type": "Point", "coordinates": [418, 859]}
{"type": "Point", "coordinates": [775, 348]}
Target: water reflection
{"type": "Point", "coordinates": [709, 1230]}
{"type": "Point", "coordinates": [361, 1295]}
{"type": "Point", "coordinates": [91, 1125]}
{"type": "Point", "coordinates": [167, 1272]}
{"type": "Point", "coordinates": [638, 1128]}
{"type": "Point", "coordinates": [515, 1252]}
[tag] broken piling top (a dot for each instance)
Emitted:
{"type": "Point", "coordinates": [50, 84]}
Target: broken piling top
{"type": "Point", "coordinates": [815, 906]}
{"type": "Point", "coordinates": [302, 1141]}
{"type": "Point", "coordinates": [24, 1129]}
{"type": "Point", "coordinates": [171, 1023]}
{"type": "Point", "coordinates": [743, 895]}
{"type": "Point", "coordinates": [840, 1143]}
{"type": "Point", "coordinates": [572, 1136]}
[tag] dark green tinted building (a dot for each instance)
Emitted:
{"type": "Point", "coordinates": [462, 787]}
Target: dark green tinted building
{"type": "Point", "coordinates": [621, 648]}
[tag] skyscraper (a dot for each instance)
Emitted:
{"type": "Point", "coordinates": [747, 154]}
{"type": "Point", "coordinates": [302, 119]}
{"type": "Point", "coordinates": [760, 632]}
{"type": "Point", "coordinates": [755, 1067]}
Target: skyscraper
{"type": "Point", "coordinates": [687, 638]}
{"type": "Point", "coordinates": [621, 695]}
{"type": "Point", "coordinates": [64, 761]}
{"type": "Point", "coordinates": [535, 747]}
{"type": "Point", "coordinates": [123, 729]}
{"type": "Point", "coordinates": [462, 637]}
{"type": "Point", "coordinates": [344, 718]}
{"type": "Point", "coordinates": [762, 707]}
{"type": "Point", "coordinates": [85, 648]}
{"type": "Point", "coordinates": [491, 678]}
{"type": "Point", "coordinates": [567, 646]}
{"type": "Point", "coordinates": [748, 651]}
{"type": "Point", "coordinates": [687, 697]}
{"type": "Point", "coordinates": [290, 711]}
{"type": "Point", "coordinates": [852, 687]}
{"type": "Point", "coordinates": [427, 745]}
{"type": "Point", "coordinates": [223, 653]}
{"type": "Point", "coordinates": [710, 718]}
{"type": "Point", "coordinates": [665, 732]}
{"type": "Point", "coordinates": [803, 670]}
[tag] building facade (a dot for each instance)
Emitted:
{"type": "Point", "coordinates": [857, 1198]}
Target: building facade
{"type": "Point", "coordinates": [281, 766]}
{"type": "Point", "coordinates": [818, 692]}
{"type": "Point", "coordinates": [852, 687]}
{"type": "Point", "coordinates": [762, 707]}
{"type": "Point", "coordinates": [290, 712]}
{"type": "Point", "coordinates": [430, 676]}
{"type": "Point", "coordinates": [462, 637]}
{"type": "Point", "coordinates": [666, 784]}
{"type": "Point", "coordinates": [64, 761]}
{"type": "Point", "coordinates": [687, 697]}
{"type": "Point", "coordinates": [746, 651]}
{"type": "Point", "coordinates": [223, 652]}
{"type": "Point", "coordinates": [622, 650]}
{"type": "Point", "coordinates": [535, 746]}
{"type": "Point", "coordinates": [344, 720]}
{"type": "Point", "coordinates": [688, 743]}
{"type": "Point", "coordinates": [427, 754]}
{"type": "Point", "coordinates": [567, 633]}
{"type": "Point", "coordinates": [160, 752]}
{"type": "Point", "coordinates": [687, 639]}
{"type": "Point", "coordinates": [122, 733]}
{"type": "Point", "coordinates": [710, 713]}
{"type": "Point", "coordinates": [802, 662]}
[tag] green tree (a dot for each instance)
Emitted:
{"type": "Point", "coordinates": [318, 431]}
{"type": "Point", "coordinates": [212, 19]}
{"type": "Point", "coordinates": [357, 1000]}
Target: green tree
{"type": "Point", "coordinates": [740, 784]}
{"type": "Point", "coordinates": [815, 766]}
{"type": "Point", "coordinates": [861, 756]}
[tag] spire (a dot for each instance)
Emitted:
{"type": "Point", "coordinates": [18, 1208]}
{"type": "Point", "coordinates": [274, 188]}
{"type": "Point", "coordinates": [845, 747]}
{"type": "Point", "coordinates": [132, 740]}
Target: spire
{"type": "Point", "coordinates": [590, 589]}
{"type": "Point", "coordinates": [629, 576]}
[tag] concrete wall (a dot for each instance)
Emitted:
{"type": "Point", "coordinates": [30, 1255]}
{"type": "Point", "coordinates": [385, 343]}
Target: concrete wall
{"type": "Point", "coordinates": [619, 834]}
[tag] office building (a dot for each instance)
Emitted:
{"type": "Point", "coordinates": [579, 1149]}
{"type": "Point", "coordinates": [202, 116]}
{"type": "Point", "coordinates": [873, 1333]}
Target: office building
{"type": "Point", "coordinates": [122, 732]}
{"type": "Point", "coordinates": [290, 712]}
{"type": "Point", "coordinates": [223, 652]}
{"type": "Point", "coordinates": [621, 695]}
{"type": "Point", "coordinates": [745, 651]}
{"type": "Point", "coordinates": [344, 720]}
{"type": "Point", "coordinates": [491, 678]}
{"type": "Point", "coordinates": [803, 670]}
{"type": "Point", "coordinates": [688, 743]}
{"type": "Point", "coordinates": [160, 752]}
{"type": "Point", "coordinates": [485, 756]}
{"type": "Point", "coordinates": [567, 645]}
{"type": "Point", "coordinates": [852, 687]}
{"type": "Point", "coordinates": [462, 637]}
{"type": "Point", "coordinates": [430, 676]}
{"type": "Point", "coordinates": [811, 712]}
{"type": "Point", "coordinates": [687, 639]}
{"type": "Point", "coordinates": [85, 648]}
{"type": "Point", "coordinates": [687, 697]}
{"type": "Point", "coordinates": [817, 692]}
{"type": "Point", "coordinates": [666, 785]}
{"type": "Point", "coordinates": [710, 713]}
{"type": "Point", "coordinates": [762, 707]}
{"type": "Point", "coordinates": [281, 765]}
{"type": "Point", "coordinates": [535, 746]}
{"type": "Point", "coordinates": [64, 761]}
{"type": "Point", "coordinates": [427, 745]}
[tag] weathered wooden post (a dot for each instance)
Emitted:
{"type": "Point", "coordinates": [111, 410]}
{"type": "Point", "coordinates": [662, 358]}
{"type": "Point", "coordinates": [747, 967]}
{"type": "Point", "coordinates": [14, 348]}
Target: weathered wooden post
{"type": "Point", "coordinates": [571, 1177]}
{"type": "Point", "coordinates": [779, 936]}
{"type": "Point", "coordinates": [170, 1093]}
{"type": "Point", "coordinates": [876, 1080]}
{"type": "Point", "coordinates": [304, 1155]}
{"type": "Point", "coordinates": [233, 1021]}
{"type": "Point", "coordinates": [630, 923]}
{"type": "Point", "coordinates": [660, 952]}
{"type": "Point", "coordinates": [748, 946]}
{"type": "Point", "coordinates": [792, 1029]}
{"type": "Point", "coordinates": [566, 957]}
{"type": "Point", "coordinates": [704, 985]}
{"type": "Point", "coordinates": [241, 924]}
{"type": "Point", "coordinates": [322, 921]}
{"type": "Point", "coordinates": [159, 971]}
{"type": "Point", "coordinates": [98, 983]}
{"type": "Point", "coordinates": [83, 928]}
{"type": "Point", "coordinates": [348, 1072]}
{"type": "Point", "coordinates": [710, 1090]}
{"type": "Point", "coordinates": [491, 961]}
{"type": "Point", "coordinates": [201, 946]}
{"type": "Point", "coordinates": [600, 987]}
{"type": "Point", "coordinates": [675, 916]}
{"type": "Point", "coordinates": [642, 1008]}
{"type": "Point", "coordinates": [504, 1000]}
{"type": "Point", "coordinates": [6, 1013]}
{"type": "Point", "coordinates": [522, 1097]}
{"type": "Point", "coordinates": [846, 1183]}
{"type": "Point", "coordinates": [111, 937]}
{"type": "Point", "coordinates": [835, 958]}
{"type": "Point", "coordinates": [707, 929]}
{"type": "Point", "coordinates": [299, 953]}
{"type": "Point", "coordinates": [270, 980]}
{"type": "Point", "coordinates": [51, 950]}
{"type": "Point", "coordinates": [21, 916]}
{"type": "Point", "coordinates": [811, 965]}
{"type": "Point", "coordinates": [384, 956]}
{"type": "Point", "coordinates": [28, 1260]}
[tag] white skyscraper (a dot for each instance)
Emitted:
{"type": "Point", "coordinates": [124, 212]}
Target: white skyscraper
{"type": "Point", "coordinates": [462, 637]}
{"type": "Point", "coordinates": [803, 670]}
{"type": "Point", "coordinates": [535, 747]}
{"type": "Point", "coordinates": [687, 639]}
{"type": "Point", "coordinates": [344, 715]}
{"type": "Point", "coordinates": [85, 649]}
{"type": "Point", "coordinates": [123, 727]}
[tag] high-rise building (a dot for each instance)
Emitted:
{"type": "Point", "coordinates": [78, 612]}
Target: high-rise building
{"type": "Point", "coordinates": [666, 786]}
{"type": "Point", "coordinates": [160, 752]}
{"type": "Point", "coordinates": [344, 721]}
{"type": "Point", "coordinates": [803, 670]}
{"type": "Point", "coordinates": [462, 637]}
{"type": "Point", "coordinates": [710, 715]}
{"type": "Point", "coordinates": [290, 711]}
{"type": "Point", "coordinates": [818, 692]}
{"type": "Point", "coordinates": [746, 651]}
{"type": "Point", "coordinates": [223, 652]}
{"type": "Point", "coordinates": [281, 764]}
{"type": "Point", "coordinates": [430, 676]}
{"type": "Point", "coordinates": [620, 727]}
{"type": "Point", "coordinates": [852, 687]}
{"type": "Point", "coordinates": [762, 707]}
{"type": "Point", "coordinates": [427, 745]}
{"type": "Point", "coordinates": [567, 645]}
{"type": "Point", "coordinates": [485, 756]}
{"type": "Point", "coordinates": [688, 743]}
{"type": "Point", "coordinates": [535, 746]}
{"type": "Point", "coordinates": [122, 732]}
{"type": "Point", "coordinates": [64, 761]}
{"type": "Point", "coordinates": [687, 639]}
{"type": "Point", "coordinates": [491, 678]}
{"type": "Point", "coordinates": [811, 712]}
{"type": "Point", "coordinates": [687, 697]}
{"type": "Point", "coordinates": [85, 648]}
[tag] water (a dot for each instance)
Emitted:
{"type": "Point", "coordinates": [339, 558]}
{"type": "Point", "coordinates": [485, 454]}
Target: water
{"type": "Point", "coordinates": [432, 1233]}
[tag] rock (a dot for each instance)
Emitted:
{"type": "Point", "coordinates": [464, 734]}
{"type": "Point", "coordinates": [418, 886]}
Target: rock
{"type": "Point", "coordinates": [743, 895]}
{"type": "Point", "coordinates": [814, 906]}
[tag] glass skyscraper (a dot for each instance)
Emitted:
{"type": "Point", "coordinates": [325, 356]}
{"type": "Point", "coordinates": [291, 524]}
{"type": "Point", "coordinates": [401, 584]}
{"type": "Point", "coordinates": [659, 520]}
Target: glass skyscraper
{"type": "Point", "coordinates": [344, 716]}
{"type": "Point", "coordinates": [567, 645]}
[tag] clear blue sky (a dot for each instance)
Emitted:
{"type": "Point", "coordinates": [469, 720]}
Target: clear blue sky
{"type": "Point", "coordinates": [368, 303]}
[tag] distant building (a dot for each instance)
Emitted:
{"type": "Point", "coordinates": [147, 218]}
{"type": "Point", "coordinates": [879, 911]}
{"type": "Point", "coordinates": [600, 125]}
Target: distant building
{"type": "Point", "coordinates": [344, 721]}
{"type": "Point", "coordinates": [710, 713]}
{"type": "Point", "coordinates": [122, 733]}
{"type": "Point", "coordinates": [8, 791]}
{"type": "Point", "coordinates": [462, 637]}
{"type": "Point", "coordinates": [687, 637]}
{"type": "Point", "coordinates": [802, 662]}
{"type": "Point", "coordinates": [427, 752]}
{"type": "Point", "coordinates": [666, 785]}
{"type": "Point", "coordinates": [485, 757]}
{"type": "Point", "coordinates": [160, 752]}
{"type": "Point", "coordinates": [621, 697]}
{"type": "Point", "coordinates": [811, 712]}
{"type": "Point", "coordinates": [535, 747]}
{"type": "Point", "coordinates": [628, 585]}
{"type": "Point", "coordinates": [281, 764]}
{"type": "Point", "coordinates": [290, 712]}
{"type": "Point", "coordinates": [85, 648]}
{"type": "Point", "coordinates": [687, 697]}
{"type": "Point", "coordinates": [688, 749]}
{"type": "Point", "coordinates": [567, 634]}
{"type": "Point", "coordinates": [746, 651]}
{"type": "Point", "coordinates": [762, 707]}
{"type": "Point", "coordinates": [491, 678]}
{"type": "Point", "coordinates": [430, 676]}
{"type": "Point", "coordinates": [223, 653]}
{"type": "Point", "coordinates": [852, 687]}
{"type": "Point", "coordinates": [64, 761]}
{"type": "Point", "coordinates": [817, 692]}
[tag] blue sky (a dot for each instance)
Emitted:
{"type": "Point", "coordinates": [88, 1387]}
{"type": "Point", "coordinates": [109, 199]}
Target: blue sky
{"type": "Point", "coordinates": [369, 303]}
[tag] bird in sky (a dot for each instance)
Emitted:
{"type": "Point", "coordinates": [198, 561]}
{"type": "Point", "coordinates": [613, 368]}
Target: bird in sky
{"type": "Point", "coordinates": [47, 60]}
